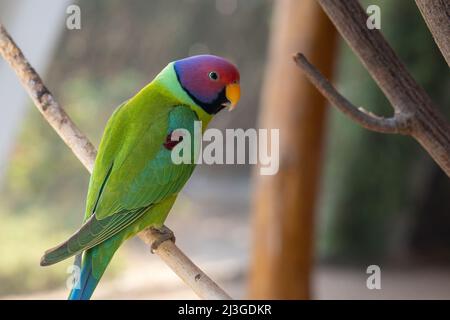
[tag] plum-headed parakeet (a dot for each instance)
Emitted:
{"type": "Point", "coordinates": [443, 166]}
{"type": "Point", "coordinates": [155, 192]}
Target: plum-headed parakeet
{"type": "Point", "coordinates": [135, 182]}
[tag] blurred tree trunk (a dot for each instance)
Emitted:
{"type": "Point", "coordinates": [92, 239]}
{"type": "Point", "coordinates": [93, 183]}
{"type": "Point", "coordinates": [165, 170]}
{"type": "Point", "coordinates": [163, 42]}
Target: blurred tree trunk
{"type": "Point", "coordinates": [284, 204]}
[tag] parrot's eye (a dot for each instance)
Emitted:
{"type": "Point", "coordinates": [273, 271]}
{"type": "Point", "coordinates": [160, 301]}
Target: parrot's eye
{"type": "Point", "coordinates": [213, 75]}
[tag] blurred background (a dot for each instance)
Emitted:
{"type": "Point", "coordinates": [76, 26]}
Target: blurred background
{"type": "Point", "coordinates": [367, 199]}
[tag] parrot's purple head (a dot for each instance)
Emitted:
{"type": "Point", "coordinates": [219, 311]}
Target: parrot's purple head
{"type": "Point", "coordinates": [212, 82]}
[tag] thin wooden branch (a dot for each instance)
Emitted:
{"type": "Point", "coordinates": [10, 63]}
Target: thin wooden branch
{"type": "Point", "coordinates": [365, 118]}
{"type": "Point", "coordinates": [414, 111]}
{"type": "Point", "coordinates": [436, 14]}
{"type": "Point", "coordinates": [199, 282]}
{"type": "Point", "coordinates": [46, 104]}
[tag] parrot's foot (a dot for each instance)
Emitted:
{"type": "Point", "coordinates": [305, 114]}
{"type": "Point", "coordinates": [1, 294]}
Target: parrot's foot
{"type": "Point", "coordinates": [163, 234]}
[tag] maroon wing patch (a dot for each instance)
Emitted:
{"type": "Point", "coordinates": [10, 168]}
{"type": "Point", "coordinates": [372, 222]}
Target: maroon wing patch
{"type": "Point", "coordinates": [172, 139]}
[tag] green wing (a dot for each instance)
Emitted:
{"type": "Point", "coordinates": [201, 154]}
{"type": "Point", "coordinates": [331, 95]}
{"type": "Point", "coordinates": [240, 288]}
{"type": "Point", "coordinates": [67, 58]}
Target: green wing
{"type": "Point", "coordinates": [92, 233]}
{"type": "Point", "coordinates": [132, 172]}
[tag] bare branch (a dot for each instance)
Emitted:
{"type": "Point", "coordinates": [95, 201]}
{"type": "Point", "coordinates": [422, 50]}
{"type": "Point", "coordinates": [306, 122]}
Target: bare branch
{"type": "Point", "coordinates": [415, 113]}
{"type": "Point", "coordinates": [199, 282]}
{"type": "Point", "coordinates": [364, 118]}
{"type": "Point", "coordinates": [437, 16]}
{"type": "Point", "coordinates": [195, 278]}
{"type": "Point", "coordinates": [44, 101]}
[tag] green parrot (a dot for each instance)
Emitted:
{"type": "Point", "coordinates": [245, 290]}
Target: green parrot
{"type": "Point", "coordinates": [135, 182]}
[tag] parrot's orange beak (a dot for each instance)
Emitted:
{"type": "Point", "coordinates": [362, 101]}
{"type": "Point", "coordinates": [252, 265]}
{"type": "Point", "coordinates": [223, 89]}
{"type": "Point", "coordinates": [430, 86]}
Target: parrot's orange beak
{"type": "Point", "coordinates": [233, 94]}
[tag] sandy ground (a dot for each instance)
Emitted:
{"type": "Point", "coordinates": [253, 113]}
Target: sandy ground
{"type": "Point", "coordinates": [219, 242]}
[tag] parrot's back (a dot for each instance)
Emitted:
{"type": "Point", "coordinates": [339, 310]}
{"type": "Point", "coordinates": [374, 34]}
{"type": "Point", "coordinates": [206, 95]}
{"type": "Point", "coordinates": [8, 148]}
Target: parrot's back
{"type": "Point", "coordinates": [126, 185]}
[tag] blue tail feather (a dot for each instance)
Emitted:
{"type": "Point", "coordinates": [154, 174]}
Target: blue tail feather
{"type": "Point", "coordinates": [87, 283]}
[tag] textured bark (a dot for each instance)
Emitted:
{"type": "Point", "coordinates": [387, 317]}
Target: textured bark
{"type": "Point", "coordinates": [414, 112]}
{"type": "Point", "coordinates": [284, 204]}
{"type": "Point", "coordinates": [80, 145]}
{"type": "Point", "coordinates": [46, 104]}
{"type": "Point", "coordinates": [437, 17]}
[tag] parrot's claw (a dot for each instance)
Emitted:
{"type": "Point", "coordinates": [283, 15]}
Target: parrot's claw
{"type": "Point", "coordinates": [163, 234]}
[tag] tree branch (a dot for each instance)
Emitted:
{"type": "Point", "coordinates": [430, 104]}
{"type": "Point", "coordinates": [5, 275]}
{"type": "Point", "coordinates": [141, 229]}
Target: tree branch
{"type": "Point", "coordinates": [199, 282]}
{"type": "Point", "coordinates": [415, 113]}
{"type": "Point", "coordinates": [436, 14]}
{"type": "Point", "coordinates": [365, 118]}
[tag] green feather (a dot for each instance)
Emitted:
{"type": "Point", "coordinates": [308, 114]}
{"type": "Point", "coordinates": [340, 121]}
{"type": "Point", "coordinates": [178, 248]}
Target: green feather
{"type": "Point", "coordinates": [134, 183]}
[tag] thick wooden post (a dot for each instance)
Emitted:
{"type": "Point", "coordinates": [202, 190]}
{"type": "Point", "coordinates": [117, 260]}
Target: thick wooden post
{"type": "Point", "coordinates": [284, 204]}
